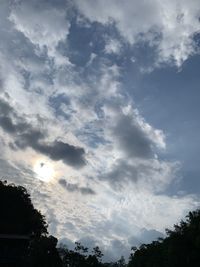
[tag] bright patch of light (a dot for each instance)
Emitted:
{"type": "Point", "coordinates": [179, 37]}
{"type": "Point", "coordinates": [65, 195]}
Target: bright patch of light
{"type": "Point", "coordinates": [44, 170]}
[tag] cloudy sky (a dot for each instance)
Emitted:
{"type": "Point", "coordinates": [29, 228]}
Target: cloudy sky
{"type": "Point", "coordinates": [99, 115]}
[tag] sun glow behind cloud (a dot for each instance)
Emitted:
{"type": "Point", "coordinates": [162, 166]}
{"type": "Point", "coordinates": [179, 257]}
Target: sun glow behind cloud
{"type": "Point", "coordinates": [44, 170]}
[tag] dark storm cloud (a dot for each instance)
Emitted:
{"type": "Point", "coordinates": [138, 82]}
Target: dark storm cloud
{"type": "Point", "coordinates": [25, 135]}
{"type": "Point", "coordinates": [76, 188]}
{"type": "Point", "coordinates": [132, 138]}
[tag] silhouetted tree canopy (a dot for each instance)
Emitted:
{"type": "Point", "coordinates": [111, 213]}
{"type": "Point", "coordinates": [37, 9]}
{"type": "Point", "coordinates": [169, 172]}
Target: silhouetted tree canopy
{"type": "Point", "coordinates": [80, 256]}
{"type": "Point", "coordinates": [18, 216]}
{"type": "Point", "coordinates": [181, 247]}
{"type": "Point", "coordinates": [43, 252]}
{"type": "Point", "coordinates": [23, 231]}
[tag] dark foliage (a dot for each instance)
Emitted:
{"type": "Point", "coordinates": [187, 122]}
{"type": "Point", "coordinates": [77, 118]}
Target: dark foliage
{"type": "Point", "coordinates": [24, 239]}
{"type": "Point", "coordinates": [43, 252]}
{"type": "Point", "coordinates": [18, 216]}
{"type": "Point", "coordinates": [80, 256]}
{"type": "Point", "coordinates": [181, 247]}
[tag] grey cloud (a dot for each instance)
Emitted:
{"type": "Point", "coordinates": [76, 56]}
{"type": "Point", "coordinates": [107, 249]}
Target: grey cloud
{"type": "Point", "coordinates": [70, 226]}
{"type": "Point", "coordinates": [87, 191]}
{"type": "Point", "coordinates": [150, 174]}
{"type": "Point", "coordinates": [6, 122]}
{"type": "Point", "coordinates": [59, 150]}
{"type": "Point", "coordinates": [149, 235]}
{"type": "Point", "coordinates": [121, 171]}
{"type": "Point", "coordinates": [66, 242]}
{"type": "Point", "coordinates": [117, 249]}
{"type": "Point", "coordinates": [30, 138]}
{"type": "Point", "coordinates": [145, 237]}
{"type": "Point", "coordinates": [88, 241]}
{"type": "Point", "coordinates": [76, 188]}
{"type": "Point", "coordinates": [7, 125]}
{"type": "Point", "coordinates": [12, 146]}
{"type": "Point", "coordinates": [5, 107]}
{"type": "Point", "coordinates": [56, 150]}
{"type": "Point", "coordinates": [113, 251]}
{"type": "Point", "coordinates": [27, 136]}
{"type": "Point", "coordinates": [132, 138]}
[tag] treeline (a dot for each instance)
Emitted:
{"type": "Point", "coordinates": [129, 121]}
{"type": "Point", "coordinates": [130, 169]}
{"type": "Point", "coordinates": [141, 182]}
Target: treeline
{"type": "Point", "coordinates": [24, 240]}
{"type": "Point", "coordinates": [181, 247]}
{"type": "Point", "coordinates": [80, 257]}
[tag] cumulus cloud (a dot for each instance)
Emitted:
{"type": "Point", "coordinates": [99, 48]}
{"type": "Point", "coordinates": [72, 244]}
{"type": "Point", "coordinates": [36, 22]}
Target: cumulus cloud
{"type": "Point", "coordinates": [169, 25]}
{"type": "Point", "coordinates": [132, 138]}
{"type": "Point", "coordinates": [43, 23]}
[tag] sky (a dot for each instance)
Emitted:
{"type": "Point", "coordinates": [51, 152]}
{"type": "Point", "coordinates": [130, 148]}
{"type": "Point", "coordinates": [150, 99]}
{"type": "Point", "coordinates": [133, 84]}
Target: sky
{"type": "Point", "coordinates": [99, 115]}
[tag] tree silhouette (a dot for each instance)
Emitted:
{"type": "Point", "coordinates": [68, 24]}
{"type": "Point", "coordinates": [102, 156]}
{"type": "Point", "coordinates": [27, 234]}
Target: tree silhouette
{"type": "Point", "coordinates": [80, 256]}
{"type": "Point", "coordinates": [43, 252]}
{"type": "Point", "coordinates": [24, 239]}
{"type": "Point", "coordinates": [18, 216]}
{"type": "Point", "coordinates": [181, 247]}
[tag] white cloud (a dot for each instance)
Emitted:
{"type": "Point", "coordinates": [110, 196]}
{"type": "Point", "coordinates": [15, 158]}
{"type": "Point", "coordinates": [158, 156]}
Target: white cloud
{"type": "Point", "coordinates": [170, 25]}
{"type": "Point", "coordinates": [44, 25]}
{"type": "Point", "coordinates": [112, 46]}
